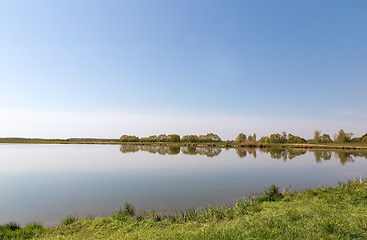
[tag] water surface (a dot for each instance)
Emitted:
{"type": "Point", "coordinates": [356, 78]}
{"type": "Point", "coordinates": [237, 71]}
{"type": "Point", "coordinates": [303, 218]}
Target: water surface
{"type": "Point", "coordinates": [45, 183]}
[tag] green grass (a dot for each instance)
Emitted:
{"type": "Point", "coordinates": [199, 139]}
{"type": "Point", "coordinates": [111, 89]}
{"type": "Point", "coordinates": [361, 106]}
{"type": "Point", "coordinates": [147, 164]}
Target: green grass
{"type": "Point", "coordinates": [13, 231]}
{"type": "Point", "coordinates": [325, 213]}
{"type": "Point", "coordinates": [70, 220]}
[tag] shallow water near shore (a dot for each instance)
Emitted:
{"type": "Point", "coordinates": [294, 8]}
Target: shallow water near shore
{"type": "Point", "coordinates": [45, 183]}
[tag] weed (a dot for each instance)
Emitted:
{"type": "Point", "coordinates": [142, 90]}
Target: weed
{"type": "Point", "coordinates": [12, 226]}
{"type": "Point", "coordinates": [70, 220]}
{"type": "Point", "coordinates": [129, 209]}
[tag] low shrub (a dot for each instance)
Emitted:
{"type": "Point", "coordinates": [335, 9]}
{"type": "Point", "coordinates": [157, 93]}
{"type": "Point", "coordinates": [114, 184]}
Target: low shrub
{"type": "Point", "coordinates": [70, 220]}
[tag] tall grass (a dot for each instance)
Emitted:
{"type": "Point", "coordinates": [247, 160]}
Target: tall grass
{"type": "Point", "coordinates": [12, 230]}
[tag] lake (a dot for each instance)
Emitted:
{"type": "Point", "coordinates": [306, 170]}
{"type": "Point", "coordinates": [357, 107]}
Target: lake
{"type": "Point", "coordinates": [46, 183]}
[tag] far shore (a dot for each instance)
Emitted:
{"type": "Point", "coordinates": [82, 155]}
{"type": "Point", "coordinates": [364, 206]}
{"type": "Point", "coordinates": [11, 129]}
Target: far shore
{"type": "Point", "coordinates": [222, 144]}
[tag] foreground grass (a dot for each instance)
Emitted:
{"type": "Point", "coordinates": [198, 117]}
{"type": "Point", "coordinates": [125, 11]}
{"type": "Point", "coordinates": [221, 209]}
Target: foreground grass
{"type": "Point", "coordinates": [329, 213]}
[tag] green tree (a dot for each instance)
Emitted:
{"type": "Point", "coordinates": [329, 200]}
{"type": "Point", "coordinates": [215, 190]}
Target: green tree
{"type": "Point", "coordinates": [275, 138]}
{"type": "Point", "coordinates": [144, 139]}
{"type": "Point", "coordinates": [342, 137]}
{"type": "Point", "coordinates": [284, 137]}
{"type": "Point", "coordinates": [210, 137]}
{"type": "Point", "coordinates": [295, 139]}
{"type": "Point", "coordinates": [264, 139]}
{"type": "Point", "coordinates": [162, 138]}
{"type": "Point", "coordinates": [240, 138]}
{"type": "Point", "coordinates": [325, 138]}
{"type": "Point", "coordinates": [173, 138]}
{"type": "Point", "coordinates": [127, 138]}
{"type": "Point", "coordinates": [190, 138]}
{"type": "Point", "coordinates": [152, 138]}
{"type": "Point", "coordinates": [316, 136]}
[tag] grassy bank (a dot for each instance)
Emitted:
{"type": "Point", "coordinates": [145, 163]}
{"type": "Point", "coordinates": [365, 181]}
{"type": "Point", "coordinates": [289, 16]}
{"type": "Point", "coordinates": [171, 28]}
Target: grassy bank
{"type": "Point", "coordinates": [325, 213]}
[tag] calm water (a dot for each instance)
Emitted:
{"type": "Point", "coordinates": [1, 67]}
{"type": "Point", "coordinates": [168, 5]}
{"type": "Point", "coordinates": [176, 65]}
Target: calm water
{"type": "Point", "coordinates": [45, 183]}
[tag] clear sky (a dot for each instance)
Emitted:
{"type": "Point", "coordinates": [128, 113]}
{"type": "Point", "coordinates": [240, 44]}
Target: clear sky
{"type": "Point", "coordinates": [106, 68]}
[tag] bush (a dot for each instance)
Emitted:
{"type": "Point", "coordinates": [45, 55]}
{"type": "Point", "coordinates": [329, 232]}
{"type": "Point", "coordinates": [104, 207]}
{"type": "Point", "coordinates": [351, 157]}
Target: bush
{"type": "Point", "coordinates": [12, 230]}
{"type": "Point", "coordinates": [271, 194]}
{"type": "Point", "coordinates": [128, 210]}
{"type": "Point", "coordinates": [12, 226]}
{"type": "Point", "coordinates": [69, 220]}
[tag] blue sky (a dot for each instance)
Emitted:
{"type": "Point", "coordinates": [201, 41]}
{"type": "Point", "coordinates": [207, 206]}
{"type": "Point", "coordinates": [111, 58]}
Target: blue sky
{"type": "Point", "coordinates": [266, 64]}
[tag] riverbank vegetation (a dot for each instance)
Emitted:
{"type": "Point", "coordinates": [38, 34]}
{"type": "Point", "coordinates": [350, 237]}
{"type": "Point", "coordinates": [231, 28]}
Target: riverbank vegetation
{"type": "Point", "coordinates": [324, 213]}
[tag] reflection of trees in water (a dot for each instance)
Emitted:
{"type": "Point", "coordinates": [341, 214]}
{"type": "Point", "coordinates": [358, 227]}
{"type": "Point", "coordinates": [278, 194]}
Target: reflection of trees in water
{"type": "Point", "coordinates": [292, 153]}
{"type": "Point", "coordinates": [322, 155]}
{"type": "Point", "coordinates": [129, 148]}
{"type": "Point", "coordinates": [285, 154]}
{"type": "Point", "coordinates": [278, 153]}
{"type": "Point", "coordinates": [242, 152]}
{"type": "Point", "coordinates": [344, 156]}
{"type": "Point", "coordinates": [172, 150]}
{"type": "Point", "coordinates": [150, 148]}
{"type": "Point", "coordinates": [163, 150]}
{"type": "Point", "coordinates": [210, 152]}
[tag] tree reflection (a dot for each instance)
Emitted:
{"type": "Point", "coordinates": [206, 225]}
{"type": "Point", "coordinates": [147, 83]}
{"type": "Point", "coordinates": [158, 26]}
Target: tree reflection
{"type": "Point", "coordinates": [285, 154]}
{"type": "Point", "coordinates": [171, 150]}
{"type": "Point", "coordinates": [322, 155]}
{"type": "Point", "coordinates": [343, 156]}
{"type": "Point", "coordinates": [129, 148]}
{"type": "Point", "coordinates": [209, 152]}
{"type": "Point", "coordinates": [242, 151]}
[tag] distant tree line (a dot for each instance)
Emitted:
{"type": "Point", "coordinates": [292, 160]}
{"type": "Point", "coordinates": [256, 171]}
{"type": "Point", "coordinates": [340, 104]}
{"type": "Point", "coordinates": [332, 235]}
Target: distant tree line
{"type": "Point", "coordinates": [210, 137]}
{"type": "Point", "coordinates": [283, 138]}
{"type": "Point", "coordinates": [340, 137]}
{"type": "Point", "coordinates": [242, 139]}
